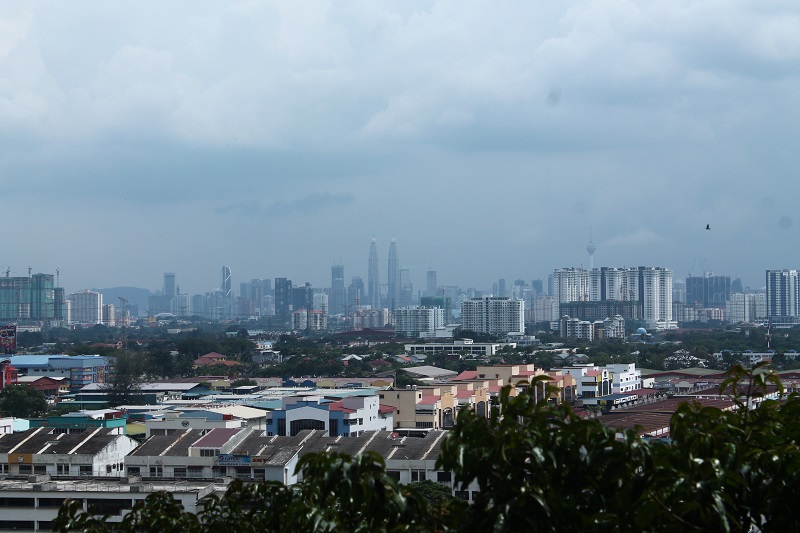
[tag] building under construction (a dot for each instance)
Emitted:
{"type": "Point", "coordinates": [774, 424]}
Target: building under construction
{"type": "Point", "coordinates": [33, 299]}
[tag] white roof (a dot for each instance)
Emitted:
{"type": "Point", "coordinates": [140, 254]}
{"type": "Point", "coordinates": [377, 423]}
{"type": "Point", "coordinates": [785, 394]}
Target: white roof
{"type": "Point", "coordinates": [240, 411]}
{"type": "Point", "coordinates": [430, 371]}
{"type": "Point", "coordinates": [148, 387]}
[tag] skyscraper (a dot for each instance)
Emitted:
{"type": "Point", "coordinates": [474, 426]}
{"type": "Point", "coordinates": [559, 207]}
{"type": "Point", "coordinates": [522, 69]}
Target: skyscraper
{"type": "Point", "coordinates": [406, 289]}
{"type": "Point", "coordinates": [227, 293]}
{"type": "Point", "coordinates": [431, 282]}
{"type": "Point", "coordinates": [373, 278]}
{"type": "Point", "coordinates": [169, 285]}
{"type": "Point", "coordinates": [338, 297]}
{"type": "Point", "coordinates": [283, 301]}
{"type": "Point", "coordinates": [394, 277]}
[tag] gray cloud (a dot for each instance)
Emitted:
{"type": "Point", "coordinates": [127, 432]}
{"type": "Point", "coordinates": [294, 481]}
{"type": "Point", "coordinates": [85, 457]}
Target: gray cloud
{"type": "Point", "coordinates": [660, 115]}
{"type": "Point", "coordinates": [311, 204]}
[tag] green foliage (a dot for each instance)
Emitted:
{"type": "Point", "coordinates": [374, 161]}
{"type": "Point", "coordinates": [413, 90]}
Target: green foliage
{"type": "Point", "coordinates": [540, 467]}
{"type": "Point", "coordinates": [339, 493]}
{"type": "Point", "coordinates": [21, 401]}
{"type": "Point", "coordinates": [123, 383]}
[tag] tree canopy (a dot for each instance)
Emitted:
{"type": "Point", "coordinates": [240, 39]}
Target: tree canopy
{"type": "Point", "coordinates": [22, 401]}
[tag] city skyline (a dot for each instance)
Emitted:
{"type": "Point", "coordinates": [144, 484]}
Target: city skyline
{"type": "Point", "coordinates": [361, 269]}
{"type": "Point", "coordinates": [277, 138]}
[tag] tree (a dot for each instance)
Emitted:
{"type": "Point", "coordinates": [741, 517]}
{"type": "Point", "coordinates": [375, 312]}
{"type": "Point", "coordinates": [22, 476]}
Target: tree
{"type": "Point", "coordinates": [124, 379]}
{"type": "Point", "coordinates": [21, 401]}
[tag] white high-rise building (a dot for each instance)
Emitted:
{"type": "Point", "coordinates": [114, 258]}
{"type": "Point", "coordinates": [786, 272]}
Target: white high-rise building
{"type": "Point", "coordinates": [650, 286]}
{"type": "Point", "coordinates": [413, 320]}
{"type": "Point", "coordinates": [783, 293]}
{"type": "Point", "coordinates": [86, 307]}
{"type": "Point", "coordinates": [494, 315]}
{"type": "Point", "coordinates": [746, 307]}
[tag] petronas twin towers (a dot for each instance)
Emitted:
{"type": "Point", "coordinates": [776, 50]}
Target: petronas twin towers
{"type": "Point", "coordinates": [373, 277]}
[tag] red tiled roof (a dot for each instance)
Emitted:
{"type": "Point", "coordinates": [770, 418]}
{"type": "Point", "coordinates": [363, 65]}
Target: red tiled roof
{"type": "Point", "coordinates": [386, 409]}
{"type": "Point", "coordinates": [465, 394]}
{"type": "Point", "coordinates": [429, 400]}
{"type": "Point", "coordinates": [338, 406]}
{"type": "Point", "coordinates": [594, 373]}
{"type": "Point", "coordinates": [466, 375]}
{"type": "Point", "coordinates": [213, 355]}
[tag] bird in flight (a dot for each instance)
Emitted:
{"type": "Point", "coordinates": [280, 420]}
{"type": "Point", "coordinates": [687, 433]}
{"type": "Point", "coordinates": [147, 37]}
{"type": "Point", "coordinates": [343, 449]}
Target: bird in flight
{"type": "Point", "coordinates": [708, 226]}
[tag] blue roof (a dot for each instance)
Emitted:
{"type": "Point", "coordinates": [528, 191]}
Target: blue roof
{"type": "Point", "coordinates": [57, 361]}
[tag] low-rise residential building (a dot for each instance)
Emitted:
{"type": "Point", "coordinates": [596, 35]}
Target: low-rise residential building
{"type": "Point", "coordinates": [459, 346]}
{"type": "Point", "coordinates": [624, 377]}
{"type": "Point", "coordinates": [591, 381]}
{"type": "Point", "coordinates": [58, 452]}
{"type": "Point", "coordinates": [174, 422]}
{"type": "Point", "coordinates": [346, 417]}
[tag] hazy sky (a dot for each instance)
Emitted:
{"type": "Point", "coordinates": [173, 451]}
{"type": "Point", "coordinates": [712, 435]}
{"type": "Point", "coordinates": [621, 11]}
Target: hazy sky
{"type": "Point", "coordinates": [138, 138]}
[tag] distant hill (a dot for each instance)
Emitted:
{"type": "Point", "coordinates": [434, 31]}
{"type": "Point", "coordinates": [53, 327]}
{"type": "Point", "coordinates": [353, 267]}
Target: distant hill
{"type": "Point", "coordinates": [136, 296]}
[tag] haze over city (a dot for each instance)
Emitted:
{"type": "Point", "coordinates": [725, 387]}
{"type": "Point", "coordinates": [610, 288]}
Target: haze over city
{"type": "Point", "coordinates": [279, 138]}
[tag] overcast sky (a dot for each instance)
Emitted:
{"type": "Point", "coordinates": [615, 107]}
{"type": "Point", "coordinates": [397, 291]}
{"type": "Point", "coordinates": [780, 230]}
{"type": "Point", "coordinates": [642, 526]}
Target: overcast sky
{"type": "Point", "coordinates": [138, 138]}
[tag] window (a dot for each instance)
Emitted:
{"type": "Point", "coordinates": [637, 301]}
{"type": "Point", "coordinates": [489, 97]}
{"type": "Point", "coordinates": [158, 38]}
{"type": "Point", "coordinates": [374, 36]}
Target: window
{"type": "Point", "coordinates": [444, 477]}
{"type": "Point", "coordinates": [195, 471]}
{"type": "Point", "coordinates": [204, 452]}
{"type": "Point", "coordinates": [133, 471]}
{"type": "Point", "coordinates": [394, 474]}
{"type": "Point", "coordinates": [462, 494]}
{"type": "Point", "coordinates": [418, 475]}
{"type": "Point", "coordinates": [156, 471]}
{"type": "Point", "coordinates": [39, 469]}
{"type": "Point", "coordinates": [85, 470]}
{"type": "Point", "coordinates": [179, 472]}
{"type": "Point", "coordinates": [25, 469]}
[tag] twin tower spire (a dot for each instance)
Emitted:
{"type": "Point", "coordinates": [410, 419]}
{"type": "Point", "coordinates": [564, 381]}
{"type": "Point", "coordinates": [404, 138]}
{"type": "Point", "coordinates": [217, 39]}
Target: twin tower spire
{"type": "Point", "coordinates": [373, 277]}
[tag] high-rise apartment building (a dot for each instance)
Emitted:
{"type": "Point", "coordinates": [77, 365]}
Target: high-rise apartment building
{"type": "Point", "coordinates": [494, 315]}
{"type": "Point", "coordinates": [109, 315]}
{"type": "Point", "coordinates": [87, 307]}
{"type": "Point", "coordinates": [783, 293]}
{"type": "Point", "coordinates": [651, 287]}
{"type": "Point", "coordinates": [708, 291]}
{"type": "Point", "coordinates": [373, 278]}
{"type": "Point", "coordinates": [746, 307]}
{"type": "Point", "coordinates": [413, 320]}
